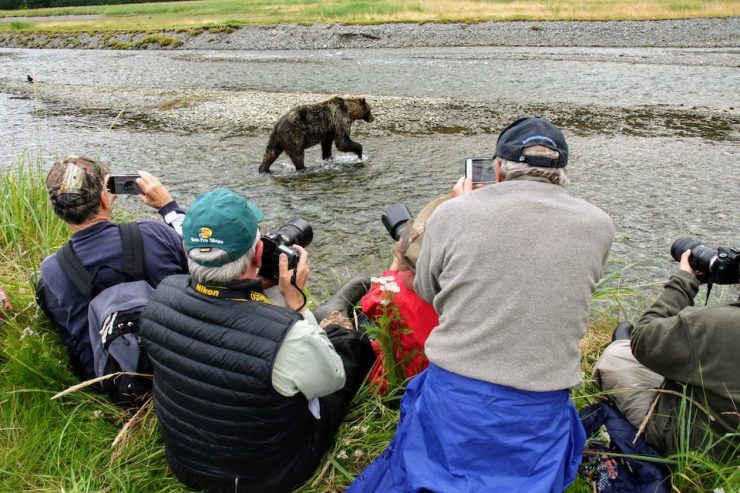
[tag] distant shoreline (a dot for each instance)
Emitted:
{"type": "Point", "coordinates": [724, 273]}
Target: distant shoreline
{"type": "Point", "coordinates": [685, 33]}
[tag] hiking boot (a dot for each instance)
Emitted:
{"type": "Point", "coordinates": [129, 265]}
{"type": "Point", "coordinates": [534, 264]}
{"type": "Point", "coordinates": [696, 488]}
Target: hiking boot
{"type": "Point", "coordinates": [622, 331]}
{"type": "Point", "coordinates": [344, 298]}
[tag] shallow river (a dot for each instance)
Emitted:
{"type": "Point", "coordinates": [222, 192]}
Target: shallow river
{"type": "Point", "coordinates": [656, 186]}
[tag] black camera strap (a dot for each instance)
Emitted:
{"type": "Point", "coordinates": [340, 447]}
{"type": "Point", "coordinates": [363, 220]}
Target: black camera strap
{"type": "Point", "coordinates": [250, 290]}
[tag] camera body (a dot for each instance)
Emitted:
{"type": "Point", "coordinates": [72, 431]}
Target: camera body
{"type": "Point", "coordinates": [395, 218]}
{"type": "Point", "coordinates": [123, 185]}
{"type": "Point", "coordinates": [712, 265]}
{"type": "Point", "coordinates": [297, 231]}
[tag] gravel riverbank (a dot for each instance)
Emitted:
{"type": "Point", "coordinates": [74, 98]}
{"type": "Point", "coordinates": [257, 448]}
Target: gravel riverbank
{"type": "Point", "coordinates": [254, 112]}
{"type": "Point", "coordinates": [689, 33]}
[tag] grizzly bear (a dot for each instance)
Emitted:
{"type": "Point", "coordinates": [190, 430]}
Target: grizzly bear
{"type": "Point", "coordinates": [307, 125]}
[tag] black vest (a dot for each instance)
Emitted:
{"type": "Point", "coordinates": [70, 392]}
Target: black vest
{"type": "Point", "coordinates": [223, 423]}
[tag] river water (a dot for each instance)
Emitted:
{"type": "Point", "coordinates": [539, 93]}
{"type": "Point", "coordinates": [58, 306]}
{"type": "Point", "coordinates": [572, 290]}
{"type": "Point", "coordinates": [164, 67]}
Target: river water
{"type": "Point", "coordinates": [657, 184]}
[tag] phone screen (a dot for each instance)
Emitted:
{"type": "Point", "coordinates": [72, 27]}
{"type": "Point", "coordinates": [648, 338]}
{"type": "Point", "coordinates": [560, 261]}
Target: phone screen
{"type": "Point", "coordinates": [480, 169]}
{"type": "Point", "coordinates": [123, 184]}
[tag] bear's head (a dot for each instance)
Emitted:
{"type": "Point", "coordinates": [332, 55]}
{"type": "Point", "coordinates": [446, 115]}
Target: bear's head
{"type": "Point", "coordinates": [359, 109]}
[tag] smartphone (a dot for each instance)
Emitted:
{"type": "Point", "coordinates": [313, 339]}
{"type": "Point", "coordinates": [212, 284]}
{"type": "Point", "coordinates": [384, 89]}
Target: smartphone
{"type": "Point", "coordinates": [123, 184]}
{"type": "Point", "coordinates": [480, 169]}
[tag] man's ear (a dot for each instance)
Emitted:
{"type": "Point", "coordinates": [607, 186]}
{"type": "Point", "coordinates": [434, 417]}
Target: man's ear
{"type": "Point", "coordinates": [106, 201]}
{"type": "Point", "coordinates": [499, 175]}
{"type": "Point", "coordinates": [257, 259]}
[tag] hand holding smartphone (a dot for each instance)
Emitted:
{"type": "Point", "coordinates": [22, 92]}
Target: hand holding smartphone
{"type": "Point", "coordinates": [123, 185]}
{"type": "Point", "coordinates": [481, 170]}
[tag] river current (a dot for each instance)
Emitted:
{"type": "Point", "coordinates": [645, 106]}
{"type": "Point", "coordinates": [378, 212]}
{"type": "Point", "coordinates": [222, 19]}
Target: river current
{"type": "Point", "coordinates": [656, 186]}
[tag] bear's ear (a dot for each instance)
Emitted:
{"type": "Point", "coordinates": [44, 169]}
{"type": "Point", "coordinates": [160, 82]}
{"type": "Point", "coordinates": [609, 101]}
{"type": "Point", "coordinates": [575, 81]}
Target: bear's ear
{"type": "Point", "coordinates": [363, 101]}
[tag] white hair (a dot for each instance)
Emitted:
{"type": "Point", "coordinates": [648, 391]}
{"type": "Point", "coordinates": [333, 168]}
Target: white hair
{"type": "Point", "coordinates": [224, 273]}
{"type": "Point", "coordinates": [513, 170]}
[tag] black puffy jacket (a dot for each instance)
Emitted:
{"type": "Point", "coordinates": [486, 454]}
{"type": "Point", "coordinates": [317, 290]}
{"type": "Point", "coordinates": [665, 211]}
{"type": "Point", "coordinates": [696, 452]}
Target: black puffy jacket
{"type": "Point", "coordinates": [225, 428]}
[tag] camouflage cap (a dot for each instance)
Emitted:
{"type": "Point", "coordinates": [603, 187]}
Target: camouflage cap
{"type": "Point", "coordinates": [75, 180]}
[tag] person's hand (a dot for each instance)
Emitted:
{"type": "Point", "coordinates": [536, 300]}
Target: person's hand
{"type": "Point", "coordinates": [464, 185]}
{"type": "Point", "coordinates": [684, 264]}
{"type": "Point", "coordinates": [153, 192]}
{"type": "Point", "coordinates": [5, 302]}
{"type": "Point", "coordinates": [293, 295]}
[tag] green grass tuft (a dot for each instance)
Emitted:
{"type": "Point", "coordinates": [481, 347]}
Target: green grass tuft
{"type": "Point", "coordinates": [20, 26]}
{"type": "Point", "coordinates": [29, 229]}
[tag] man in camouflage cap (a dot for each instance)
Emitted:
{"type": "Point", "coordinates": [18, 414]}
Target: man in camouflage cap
{"type": "Point", "coordinates": [79, 195]}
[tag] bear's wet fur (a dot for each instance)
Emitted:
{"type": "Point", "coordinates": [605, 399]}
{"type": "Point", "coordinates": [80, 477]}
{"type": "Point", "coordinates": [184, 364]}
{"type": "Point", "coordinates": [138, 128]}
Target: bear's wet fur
{"type": "Point", "coordinates": [318, 123]}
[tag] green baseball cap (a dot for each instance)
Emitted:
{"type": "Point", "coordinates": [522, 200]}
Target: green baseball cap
{"type": "Point", "coordinates": [221, 219]}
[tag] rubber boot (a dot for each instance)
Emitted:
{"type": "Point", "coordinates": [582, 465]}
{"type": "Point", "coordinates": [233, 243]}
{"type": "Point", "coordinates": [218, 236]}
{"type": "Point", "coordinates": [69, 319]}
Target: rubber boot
{"type": "Point", "coordinates": [344, 298]}
{"type": "Point", "coordinates": [622, 331]}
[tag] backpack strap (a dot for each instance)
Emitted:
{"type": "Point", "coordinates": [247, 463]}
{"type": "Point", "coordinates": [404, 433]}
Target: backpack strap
{"type": "Point", "coordinates": [133, 261]}
{"type": "Point", "coordinates": [133, 250]}
{"type": "Point", "coordinates": [75, 271]}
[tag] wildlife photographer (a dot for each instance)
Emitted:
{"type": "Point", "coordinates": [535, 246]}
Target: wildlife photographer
{"type": "Point", "coordinates": [510, 269]}
{"type": "Point", "coordinates": [683, 356]}
{"type": "Point", "coordinates": [80, 192]}
{"type": "Point", "coordinates": [248, 394]}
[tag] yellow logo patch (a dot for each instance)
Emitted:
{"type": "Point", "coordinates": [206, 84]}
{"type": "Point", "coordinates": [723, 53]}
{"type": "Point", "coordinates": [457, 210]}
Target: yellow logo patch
{"type": "Point", "coordinates": [259, 297]}
{"type": "Point", "coordinates": [205, 233]}
{"type": "Point", "coordinates": [207, 291]}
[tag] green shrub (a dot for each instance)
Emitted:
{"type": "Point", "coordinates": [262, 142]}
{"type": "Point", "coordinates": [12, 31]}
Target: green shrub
{"type": "Point", "coordinates": [10, 4]}
{"type": "Point", "coordinates": [20, 26]}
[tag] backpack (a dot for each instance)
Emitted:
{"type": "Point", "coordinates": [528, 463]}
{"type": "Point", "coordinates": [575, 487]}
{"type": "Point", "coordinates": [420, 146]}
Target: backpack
{"type": "Point", "coordinates": [113, 319]}
{"type": "Point", "coordinates": [604, 463]}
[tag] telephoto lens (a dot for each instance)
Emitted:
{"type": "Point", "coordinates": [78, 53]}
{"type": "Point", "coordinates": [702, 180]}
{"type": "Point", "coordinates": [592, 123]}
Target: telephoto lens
{"type": "Point", "coordinates": [395, 218]}
{"type": "Point", "coordinates": [297, 231]}
{"type": "Point", "coordinates": [701, 256]}
{"type": "Point", "coordinates": [712, 265]}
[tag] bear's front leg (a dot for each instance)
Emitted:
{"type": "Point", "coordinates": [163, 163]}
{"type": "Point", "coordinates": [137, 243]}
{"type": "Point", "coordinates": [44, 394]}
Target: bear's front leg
{"type": "Point", "coordinates": [326, 148]}
{"type": "Point", "coordinates": [346, 144]}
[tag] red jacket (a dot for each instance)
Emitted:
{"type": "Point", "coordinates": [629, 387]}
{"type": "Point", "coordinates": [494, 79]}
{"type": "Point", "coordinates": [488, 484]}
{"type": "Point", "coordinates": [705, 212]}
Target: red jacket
{"type": "Point", "coordinates": [417, 319]}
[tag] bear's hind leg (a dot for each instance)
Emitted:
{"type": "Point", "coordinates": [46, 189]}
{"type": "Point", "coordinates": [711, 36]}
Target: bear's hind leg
{"type": "Point", "coordinates": [271, 154]}
{"type": "Point", "coordinates": [297, 158]}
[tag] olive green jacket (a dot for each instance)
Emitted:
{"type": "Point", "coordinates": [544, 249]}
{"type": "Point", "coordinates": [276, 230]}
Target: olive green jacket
{"type": "Point", "coordinates": [697, 350]}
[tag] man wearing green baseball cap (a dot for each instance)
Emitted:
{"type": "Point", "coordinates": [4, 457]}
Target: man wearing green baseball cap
{"type": "Point", "coordinates": [248, 393]}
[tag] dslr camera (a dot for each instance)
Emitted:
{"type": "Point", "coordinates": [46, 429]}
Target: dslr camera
{"type": "Point", "coordinates": [395, 218]}
{"type": "Point", "coordinates": [297, 231]}
{"type": "Point", "coordinates": [712, 265]}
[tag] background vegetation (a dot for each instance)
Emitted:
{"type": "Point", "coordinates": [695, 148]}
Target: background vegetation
{"type": "Point", "coordinates": [82, 443]}
{"type": "Point", "coordinates": [41, 4]}
{"type": "Point", "coordinates": [207, 13]}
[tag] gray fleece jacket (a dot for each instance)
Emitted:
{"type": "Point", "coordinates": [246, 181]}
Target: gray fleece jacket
{"type": "Point", "coordinates": [510, 269]}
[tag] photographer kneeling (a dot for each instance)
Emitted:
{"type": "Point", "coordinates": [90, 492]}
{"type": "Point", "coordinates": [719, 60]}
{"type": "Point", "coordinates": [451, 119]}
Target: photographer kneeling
{"type": "Point", "coordinates": [248, 394]}
{"type": "Point", "coordinates": [690, 351]}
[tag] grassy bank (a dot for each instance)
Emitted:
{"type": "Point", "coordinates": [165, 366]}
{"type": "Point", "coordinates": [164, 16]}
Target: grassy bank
{"type": "Point", "coordinates": [81, 443]}
{"type": "Point", "coordinates": [210, 13]}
